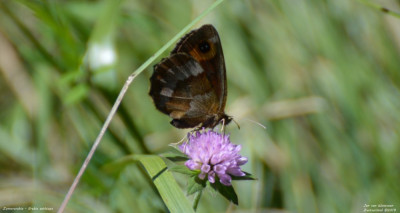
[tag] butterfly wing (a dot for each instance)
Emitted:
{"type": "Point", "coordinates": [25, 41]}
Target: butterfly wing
{"type": "Point", "coordinates": [204, 45]}
{"type": "Point", "coordinates": [190, 85]}
{"type": "Point", "coordinates": [180, 88]}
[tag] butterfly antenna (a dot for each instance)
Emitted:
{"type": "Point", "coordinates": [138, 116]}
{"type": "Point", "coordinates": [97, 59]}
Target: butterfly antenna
{"type": "Point", "coordinates": [255, 122]}
{"type": "Point", "coordinates": [237, 124]}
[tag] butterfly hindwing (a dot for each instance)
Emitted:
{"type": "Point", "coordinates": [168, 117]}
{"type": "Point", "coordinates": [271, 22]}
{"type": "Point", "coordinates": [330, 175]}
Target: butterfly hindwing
{"type": "Point", "coordinates": [182, 90]}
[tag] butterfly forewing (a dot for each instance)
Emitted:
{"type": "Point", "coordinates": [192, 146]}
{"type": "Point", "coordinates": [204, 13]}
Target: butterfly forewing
{"type": "Point", "coordinates": [190, 84]}
{"type": "Point", "coordinates": [212, 60]}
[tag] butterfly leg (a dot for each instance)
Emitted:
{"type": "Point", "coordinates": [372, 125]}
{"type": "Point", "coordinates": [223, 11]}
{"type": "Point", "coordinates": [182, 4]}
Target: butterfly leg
{"type": "Point", "coordinates": [176, 144]}
{"type": "Point", "coordinates": [223, 126]}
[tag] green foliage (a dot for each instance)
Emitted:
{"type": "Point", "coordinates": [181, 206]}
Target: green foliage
{"type": "Point", "coordinates": [227, 191]}
{"type": "Point", "coordinates": [323, 76]}
{"type": "Point", "coordinates": [169, 190]}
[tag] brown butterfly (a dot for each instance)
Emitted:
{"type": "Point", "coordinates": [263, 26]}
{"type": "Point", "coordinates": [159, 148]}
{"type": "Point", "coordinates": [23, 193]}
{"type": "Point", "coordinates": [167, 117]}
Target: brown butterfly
{"type": "Point", "coordinates": [190, 84]}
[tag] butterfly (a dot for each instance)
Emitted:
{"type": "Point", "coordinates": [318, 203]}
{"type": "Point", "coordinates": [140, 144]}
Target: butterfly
{"type": "Point", "coordinates": [190, 84]}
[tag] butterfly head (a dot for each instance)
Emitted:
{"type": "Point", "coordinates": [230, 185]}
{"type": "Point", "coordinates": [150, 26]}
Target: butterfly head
{"type": "Point", "coordinates": [220, 118]}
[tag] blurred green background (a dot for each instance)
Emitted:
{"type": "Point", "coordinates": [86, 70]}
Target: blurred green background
{"type": "Point", "coordinates": [322, 76]}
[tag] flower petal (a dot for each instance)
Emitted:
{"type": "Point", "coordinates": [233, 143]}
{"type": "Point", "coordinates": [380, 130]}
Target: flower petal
{"type": "Point", "coordinates": [241, 161]}
{"type": "Point", "coordinates": [192, 165]}
{"type": "Point", "coordinates": [202, 175]}
{"type": "Point", "coordinates": [213, 154]}
{"type": "Point", "coordinates": [211, 177]}
{"type": "Point", "coordinates": [225, 179]}
{"type": "Point", "coordinates": [205, 168]}
{"type": "Point", "coordinates": [219, 169]}
{"type": "Point", "coordinates": [235, 171]}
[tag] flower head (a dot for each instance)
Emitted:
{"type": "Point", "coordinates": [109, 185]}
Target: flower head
{"type": "Point", "coordinates": [214, 155]}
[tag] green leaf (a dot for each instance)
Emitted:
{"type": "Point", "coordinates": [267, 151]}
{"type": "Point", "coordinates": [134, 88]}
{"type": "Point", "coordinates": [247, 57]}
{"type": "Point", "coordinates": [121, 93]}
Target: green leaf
{"type": "Point", "coordinates": [227, 191]}
{"type": "Point", "coordinates": [195, 184]}
{"type": "Point", "coordinates": [169, 190]}
{"type": "Point", "coordinates": [165, 183]}
{"type": "Point", "coordinates": [248, 176]}
{"type": "Point", "coordinates": [183, 170]}
{"type": "Point", "coordinates": [175, 156]}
